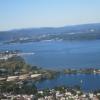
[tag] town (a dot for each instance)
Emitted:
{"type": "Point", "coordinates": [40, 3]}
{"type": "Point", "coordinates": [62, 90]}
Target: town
{"type": "Point", "coordinates": [58, 93]}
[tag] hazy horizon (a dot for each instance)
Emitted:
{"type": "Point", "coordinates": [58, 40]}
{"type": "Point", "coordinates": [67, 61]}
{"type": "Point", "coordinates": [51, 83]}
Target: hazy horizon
{"type": "Point", "coordinates": [18, 14]}
{"type": "Point", "coordinates": [70, 25]}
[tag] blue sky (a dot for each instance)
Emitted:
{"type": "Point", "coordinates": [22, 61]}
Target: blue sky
{"type": "Point", "coordinates": [47, 13]}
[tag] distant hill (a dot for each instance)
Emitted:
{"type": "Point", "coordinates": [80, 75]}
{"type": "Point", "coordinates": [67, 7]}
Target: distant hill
{"type": "Point", "coordinates": [74, 32]}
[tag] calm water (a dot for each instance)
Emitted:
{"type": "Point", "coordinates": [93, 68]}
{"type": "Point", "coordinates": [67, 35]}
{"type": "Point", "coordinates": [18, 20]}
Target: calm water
{"type": "Point", "coordinates": [60, 55]}
{"type": "Point", "coordinates": [90, 82]}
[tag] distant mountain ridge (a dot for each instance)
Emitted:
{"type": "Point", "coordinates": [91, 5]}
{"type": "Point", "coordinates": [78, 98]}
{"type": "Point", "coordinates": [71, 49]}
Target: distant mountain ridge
{"type": "Point", "coordinates": [67, 32]}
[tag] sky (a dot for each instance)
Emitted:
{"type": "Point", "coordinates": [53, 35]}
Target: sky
{"type": "Point", "coordinates": [17, 14]}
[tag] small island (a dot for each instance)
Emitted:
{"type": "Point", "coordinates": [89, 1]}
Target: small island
{"type": "Point", "coordinates": [82, 71]}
